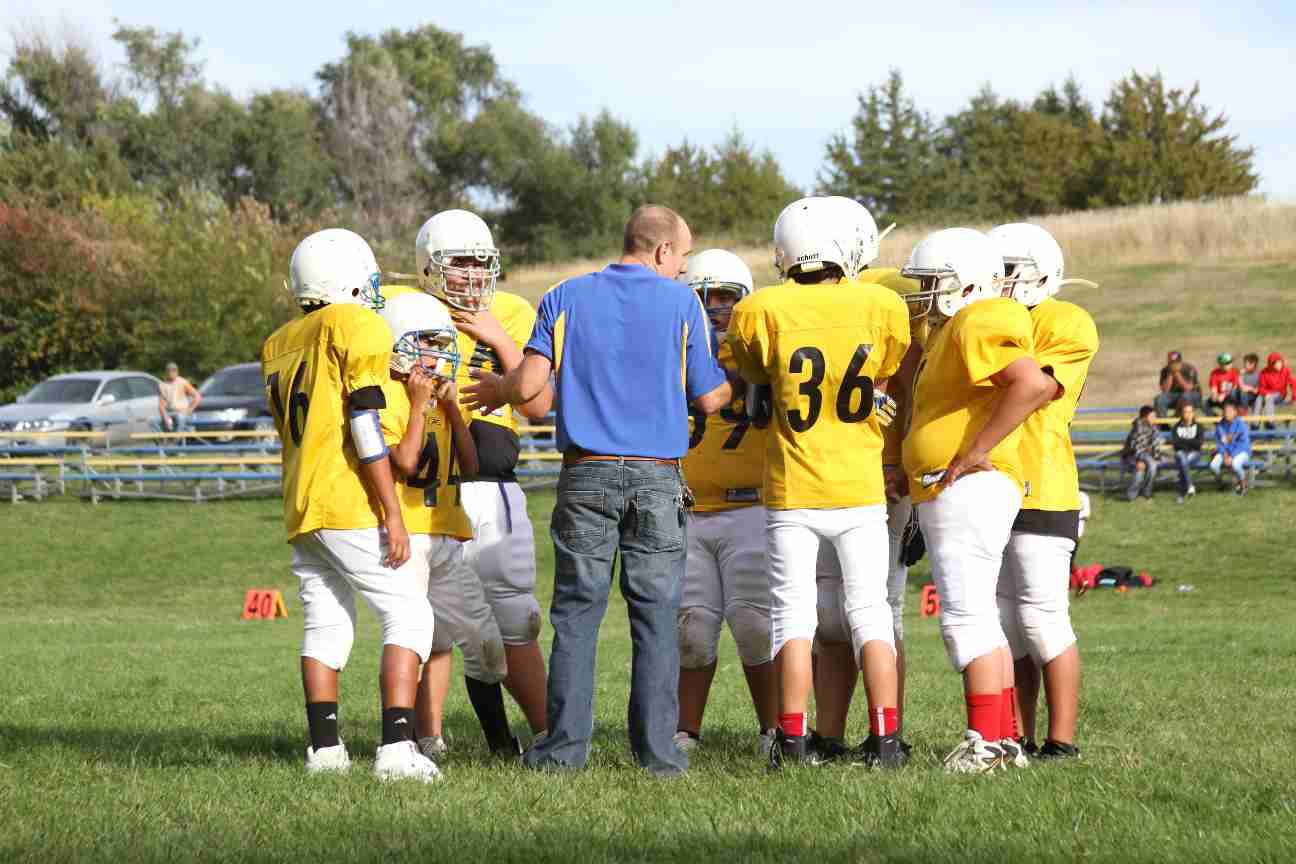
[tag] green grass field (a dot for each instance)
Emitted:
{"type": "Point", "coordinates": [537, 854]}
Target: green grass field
{"type": "Point", "coordinates": [142, 720]}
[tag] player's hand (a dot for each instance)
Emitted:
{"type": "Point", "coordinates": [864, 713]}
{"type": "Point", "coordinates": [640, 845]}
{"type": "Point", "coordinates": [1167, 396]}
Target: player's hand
{"type": "Point", "coordinates": [885, 408]}
{"type": "Point", "coordinates": [398, 543]}
{"type": "Point", "coordinates": [487, 394]}
{"type": "Point", "coordinates": [421, 388]}
{"type": "Point", "coordinates": [965, 463]}
{"type": "Point", "coordinates": [481, 326]}
{"type": "Point", "coordinates": [447, 395]}
{"type": "Point", "coordinates": [896, 482]}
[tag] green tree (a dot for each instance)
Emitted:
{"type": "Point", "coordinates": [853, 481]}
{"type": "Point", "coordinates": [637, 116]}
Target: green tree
{"type": "Point", "coordinates": [52, 90]}
{"type": "Point", "coordinates": [282, 155]}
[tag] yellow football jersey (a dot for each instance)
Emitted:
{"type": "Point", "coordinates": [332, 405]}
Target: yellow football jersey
{"type": "Point", "coordinates": [518, 320]}
{"type": "Point", "coordinates": [953, 393]}
{"type": "Point", "coordinates": [820, 348]}
{"type": "Point", "coordinates": [889, 277]}
{"type": "Point", "coordinates": [311, 367]}
{"type": "Point", "coordinates": [430, 502]}
{"type": "Point", "coordinates": [1065, 343]}
{"type": "Point", "coordinates": [725, 462]}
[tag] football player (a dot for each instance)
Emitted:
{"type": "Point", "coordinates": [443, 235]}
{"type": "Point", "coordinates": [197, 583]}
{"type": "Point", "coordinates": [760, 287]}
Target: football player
{"type": "Point", "coordinates": [825, 350]}
{"type": "Point", "coordinates": [726, 578]}
{"type": "Point", "coordinates": [835, 671]}
{"type": "Point", "coordinates": [430, 448]}
{"type": "Point", "coordinates": [1035, 578]}
{"type": "Point", "coordinates": [324, 375]}
{"type": "Point", "coordinates": [977, 382]}
{"type": "Point", "coordinates": [458, 263]}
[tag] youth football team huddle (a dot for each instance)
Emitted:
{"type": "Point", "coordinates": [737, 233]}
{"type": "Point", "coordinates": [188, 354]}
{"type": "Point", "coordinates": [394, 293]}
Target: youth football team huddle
{"type": "Point", "coordinates": [877, 412]}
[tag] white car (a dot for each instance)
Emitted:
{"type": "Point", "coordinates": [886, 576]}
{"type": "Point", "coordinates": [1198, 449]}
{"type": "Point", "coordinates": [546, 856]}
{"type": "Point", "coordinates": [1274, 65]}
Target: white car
{"type": "Point", "coordinates": [116, 403]}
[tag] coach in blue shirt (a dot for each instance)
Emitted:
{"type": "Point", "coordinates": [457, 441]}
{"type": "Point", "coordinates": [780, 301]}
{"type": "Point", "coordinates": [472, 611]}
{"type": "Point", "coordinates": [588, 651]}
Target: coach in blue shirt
{"type": "Point", "coordinates": [630, 349]}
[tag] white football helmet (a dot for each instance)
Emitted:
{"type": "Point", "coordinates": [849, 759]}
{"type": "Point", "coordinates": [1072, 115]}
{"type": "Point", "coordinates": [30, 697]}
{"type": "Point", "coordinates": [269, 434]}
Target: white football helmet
{"type": "Point", "coordinates": [335, 266]}
{"type": "Point", "coordinates": [856, 217]}
{"type": "Point", "coordinates": [1032, 261]}
{"type": "Point", "coordinates": [814, 232]}
{"type": "Point", "coordinates": [718, 273]}
{"type": "Point", "coordinates": [455, 235]}
{"type": "Point", "coordinates": [954, 268]}
{"type": "Point", "coordinates": [422, 335]}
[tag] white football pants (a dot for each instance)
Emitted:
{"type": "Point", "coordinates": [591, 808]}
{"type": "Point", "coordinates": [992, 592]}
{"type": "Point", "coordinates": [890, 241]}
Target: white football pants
{"type": "Point", "coordinates": [832, 599]}
{"type": "Point", "coordinates": [502, 554]}
{"type": "Point", "coordinates": [726, 579]}
{"type": "Point", "coordinates": [463, 616]}
{"type": "Point", "coordinates": [1033, 596]}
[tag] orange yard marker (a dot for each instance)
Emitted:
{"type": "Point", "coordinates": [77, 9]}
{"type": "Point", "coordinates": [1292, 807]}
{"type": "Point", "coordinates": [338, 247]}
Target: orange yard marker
{"type": "Point", "coordinates": [930, 602]}
{"type": "Point", "coordinates": [262, 603]}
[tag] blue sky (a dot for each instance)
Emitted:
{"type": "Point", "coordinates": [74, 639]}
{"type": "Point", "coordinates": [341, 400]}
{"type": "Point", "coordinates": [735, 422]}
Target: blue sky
{"type": "Point", "coordinates": [786, 74]}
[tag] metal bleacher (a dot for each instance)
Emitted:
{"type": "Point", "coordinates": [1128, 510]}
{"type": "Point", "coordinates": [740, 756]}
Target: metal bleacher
{"type": "Point", "coordinates": [201, 466]}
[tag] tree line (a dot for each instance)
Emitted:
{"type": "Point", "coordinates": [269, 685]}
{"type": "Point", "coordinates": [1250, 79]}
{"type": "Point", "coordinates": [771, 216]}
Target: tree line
{"type": "Point", "coordinates": [148, 213]}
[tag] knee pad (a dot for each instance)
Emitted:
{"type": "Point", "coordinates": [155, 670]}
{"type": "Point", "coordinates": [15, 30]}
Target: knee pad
{"type": "Point", "coordinates": [751, 631]}
{"type": "Point", "coordinates": [699, 633]}
{"type": "Point", "coordinates": [484, 657]}
{"type": "Point", "coordinates": [329, 644]}
{"type": "Point", "coordinates": [897, 579]}
{"type": "Point", "coordinates": [1045, 631]}
{"type": "Point", "coordinates": [832, 614]}
{"type": "Point", "coordinates": [518, 616]}
{"type": "Point", "coordinates": [969, 636]}
{"type": "Point", "coordinates": [410, 626]}
{"type": "Point", "coordinates": [1009, 624]}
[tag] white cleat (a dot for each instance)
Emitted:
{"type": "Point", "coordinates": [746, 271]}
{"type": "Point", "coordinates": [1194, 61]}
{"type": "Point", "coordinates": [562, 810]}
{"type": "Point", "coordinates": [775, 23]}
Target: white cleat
{"type": "Point", "coordinates": [403, 761]}
{"type": "Point", "coordinates": [974, 756]}
{"type": "Point", "coordinates": [333, 758]}
{"type": "Point", "coordinates": [433, 747]}
{"type": "Point", "coordinates": [766, 742]}
{"type": "Point", "coordinates": [686, 742]}
{"type": "Point", "coordinates": [1014, 753]}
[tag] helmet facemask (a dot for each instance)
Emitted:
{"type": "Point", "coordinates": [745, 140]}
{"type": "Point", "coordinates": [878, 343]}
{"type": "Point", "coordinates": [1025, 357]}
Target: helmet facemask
{"type": "Point", "coordinates": [932, 285]}
{"type": "Point", "coordinates": [1024, 282]}
{"type": "Point", "coordinates": [435, 350]}
{"type": "Point", "coordinates": [719, 299]}
{"type": "Point", "coordinates": [464, 287]}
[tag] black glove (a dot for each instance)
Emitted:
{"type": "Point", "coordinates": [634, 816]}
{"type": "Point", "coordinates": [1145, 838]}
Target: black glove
{"type": "Point", "coordinates": [912, 545]}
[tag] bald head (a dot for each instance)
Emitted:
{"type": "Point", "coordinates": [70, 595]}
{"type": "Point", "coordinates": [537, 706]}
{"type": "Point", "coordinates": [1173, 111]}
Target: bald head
{"type": "Point", "coordinates": [658, 238]}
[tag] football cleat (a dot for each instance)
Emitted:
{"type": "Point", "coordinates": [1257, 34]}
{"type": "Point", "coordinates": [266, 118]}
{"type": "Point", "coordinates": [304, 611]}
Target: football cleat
{"type": "Point", "coordinates": [882, 751]}
{"type": "Point", "coordinates": [333, 758]}
{"type": "Point", "coordinates": [433, 746]}
{"type": "Point", "coordinates": [827, 749]}
{"type": "Point", "coordinates": [792, 750]}
{"type": "Point", "coordinates": [1031, 748]}
{"type": "Point", "coordinates": [1014, 753]}
{"type": "Point", "coordinates": [403, 761]}
{"type": "Point", "coordinates": [687, 741]}
{"type": "Point", "coordinates": [511, 750]}
{"type": "Point", "coordinates": [1056, 750]}
{"type": "Point", "coordinates": [766, 742]}
{"type": "Point", "coordinates": [974, 756]}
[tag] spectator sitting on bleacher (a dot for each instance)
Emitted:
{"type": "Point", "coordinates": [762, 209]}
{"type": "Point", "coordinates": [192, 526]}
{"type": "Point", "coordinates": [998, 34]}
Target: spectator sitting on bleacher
{"type": "Point", "coordinates": [1178, 384]}
{"type": "Point", "coordinates": [1232, 448]}
{"type": "Point", "coordinates": [1250, 383]}
{"type": "Point", "coordinates": [1186, 436]}
{"type": "Point", "coordinates": [1275, 384]}
{"type": "Point", "coordinates": [1225, 383]}
{"type": "Point", "coordinates": [1141, 454]}
{"type": "Point", "coordinates": [177, 400]}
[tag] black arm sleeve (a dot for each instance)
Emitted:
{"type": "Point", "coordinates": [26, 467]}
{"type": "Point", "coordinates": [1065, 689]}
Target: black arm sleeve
{"type": "Point", "coordinates": [367, 399]}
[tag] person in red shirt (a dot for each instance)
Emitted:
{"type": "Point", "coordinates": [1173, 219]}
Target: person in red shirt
{"type": "Point", "coordinates": [1276, 385]}
{"type": "Point", "coordinates": [1225, 383]}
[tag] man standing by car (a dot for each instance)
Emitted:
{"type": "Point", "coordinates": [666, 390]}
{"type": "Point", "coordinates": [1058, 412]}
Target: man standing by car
{"type": "Point", "coordinates": [630, 349]}
{"type": "Point", "coordinates": [177, 400]}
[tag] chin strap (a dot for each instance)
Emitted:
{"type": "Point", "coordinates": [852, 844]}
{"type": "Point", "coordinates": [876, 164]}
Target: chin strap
{"type": "Point", "coordinates": [400, 277]}
{"type": "Point", "coordinates": [886, 231]}
{"type": "Point", "coordinates": [1083, 283]}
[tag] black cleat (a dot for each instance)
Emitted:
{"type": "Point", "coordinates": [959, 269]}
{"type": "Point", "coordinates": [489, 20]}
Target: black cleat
{"type": "Point", "coordinates": [1029, 746]}
{"type": "Point", "coordinates": [1056, 750]}
{"type": "Point", "coordinates": [882, 751]}
{"type": "Point", "coordinates": [791, 750]}
{"type": "Point", "coordinates": [825, 748]}
{"type": "Point", "coordinates": [509, 751]}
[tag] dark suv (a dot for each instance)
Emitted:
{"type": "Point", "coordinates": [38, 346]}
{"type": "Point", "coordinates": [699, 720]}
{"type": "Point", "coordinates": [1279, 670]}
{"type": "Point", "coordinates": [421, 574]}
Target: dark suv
{"type": "Point", "coordinates": [234, 399]}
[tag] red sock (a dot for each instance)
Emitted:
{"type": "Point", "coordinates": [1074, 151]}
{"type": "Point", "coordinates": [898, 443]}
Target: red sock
{"type": "Point", "coordinates": [984, 714]}
{"type": "Point", "coordinates": [1008, 725]}
{"type": "Point", "coordinates": [793, 725]}
{"type": "Point", "coordinates": [883, 720]}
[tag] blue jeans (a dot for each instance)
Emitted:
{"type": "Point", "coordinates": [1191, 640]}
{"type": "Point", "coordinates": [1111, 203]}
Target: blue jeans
{"type": "Point", "coordinates": [604, 508]}
{"type": "Point", "coordinates": [1185, 460]}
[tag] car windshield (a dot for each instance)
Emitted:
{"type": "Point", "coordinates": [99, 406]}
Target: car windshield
{"type": "Point", "coordinates": [234, 382]}
{"type": "Point", "coordinates": [63, 390]}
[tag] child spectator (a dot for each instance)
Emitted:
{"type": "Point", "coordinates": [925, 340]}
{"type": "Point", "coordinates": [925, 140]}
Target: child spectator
{"type": "Point", "coordinates": [1141, 454]}
{"type": "Point", "coordinates": [1186, 436]}
{"type": "Point", "coordinates": [1225, 383]}
{"type": "Point", "coordinates": [1232, 448]}
{"type": "Point", "coordinates": [1178, 383]}
{"type": "Point", "coordinates": [1250, 385]}
{"type": "Point", "coordinates": [1275, 385]}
